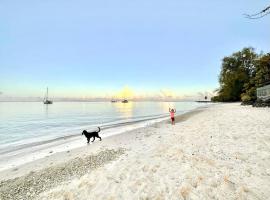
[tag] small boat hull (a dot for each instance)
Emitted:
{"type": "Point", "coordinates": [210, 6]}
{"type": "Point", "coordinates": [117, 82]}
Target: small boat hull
{"type": "Point", "coordinates": [48, 102]}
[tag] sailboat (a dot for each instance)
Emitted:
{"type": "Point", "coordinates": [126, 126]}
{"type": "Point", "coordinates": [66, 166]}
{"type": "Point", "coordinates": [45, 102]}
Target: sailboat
{"type": "Point", "coordinates": [125, 101]}
{"type": "Point", "coordinates": [46, 98]}
{"type": "Point", "coordinates": [113, 99]}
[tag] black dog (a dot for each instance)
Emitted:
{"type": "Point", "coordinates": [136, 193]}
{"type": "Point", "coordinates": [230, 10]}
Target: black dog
{"type": "Point", "coordinates": [94, 134]}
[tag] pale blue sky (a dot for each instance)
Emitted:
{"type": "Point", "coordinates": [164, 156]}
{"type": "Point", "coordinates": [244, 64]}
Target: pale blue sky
{"type": "Point", "coordinates": [93, 48]}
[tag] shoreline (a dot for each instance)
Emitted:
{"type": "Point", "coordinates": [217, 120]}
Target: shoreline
{"type": "Point", "coordinates": [16, 170]}
{"type": "Point", "coordinates": [109, 125]}
{"type": "Point", "coordinates": [217, 152]}
{"type": "Point", "coordinates": [72, 163]}
{"type": "Point", "coordinates": [25, 153]}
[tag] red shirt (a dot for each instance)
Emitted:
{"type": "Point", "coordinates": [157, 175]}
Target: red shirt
{"type": "Point", "coordinates": [172, 114]}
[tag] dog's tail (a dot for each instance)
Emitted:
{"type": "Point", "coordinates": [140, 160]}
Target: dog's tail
{"type": "Point", "coordinates": [98, 129]}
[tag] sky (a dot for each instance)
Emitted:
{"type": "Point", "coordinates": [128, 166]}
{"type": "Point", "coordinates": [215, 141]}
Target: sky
{"type": "Point", "coordinates": [88, 48]}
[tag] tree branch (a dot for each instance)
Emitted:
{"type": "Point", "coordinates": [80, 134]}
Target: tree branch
{"type": "Point", "coordinates": [259, 15]}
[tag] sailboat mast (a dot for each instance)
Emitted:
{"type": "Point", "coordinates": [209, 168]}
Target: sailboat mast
{"type": "Point", "coordinates": [47, 96]}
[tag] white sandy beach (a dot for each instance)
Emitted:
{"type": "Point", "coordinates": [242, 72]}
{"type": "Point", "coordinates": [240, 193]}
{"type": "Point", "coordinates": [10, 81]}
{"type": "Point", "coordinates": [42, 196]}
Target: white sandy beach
{"type": "Point", "coordinates": [219, 152]}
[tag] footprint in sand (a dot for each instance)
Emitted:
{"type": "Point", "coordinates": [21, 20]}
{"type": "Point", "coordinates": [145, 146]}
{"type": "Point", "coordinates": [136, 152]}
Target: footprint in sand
{"type": "Point", "coordinates": [154, 170]}
{"type": "Point", "coordinates": [145, 168]}
{"type": "Point", "coordinates": [185, 191]}
{"type": "Point", "coordinates": [123, 176]}
{"type": "Point", "coordinates": [228, 183]}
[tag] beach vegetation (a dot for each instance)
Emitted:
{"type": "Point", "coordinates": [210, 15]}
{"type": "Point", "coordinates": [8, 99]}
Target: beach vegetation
{"type": "Point", "coordinates": [241, 74]}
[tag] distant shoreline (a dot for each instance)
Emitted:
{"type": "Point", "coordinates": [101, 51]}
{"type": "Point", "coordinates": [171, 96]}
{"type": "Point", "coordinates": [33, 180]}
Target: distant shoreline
{"type": "Point", "coordinates": [109, 101]}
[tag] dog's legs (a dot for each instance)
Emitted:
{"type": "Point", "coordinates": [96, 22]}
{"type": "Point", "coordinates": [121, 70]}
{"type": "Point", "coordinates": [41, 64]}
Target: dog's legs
{"type": "Point", "coordinates": [88, 140]}
{"type": "Point", "coordinates": [94, 139]}
{"type": "Point", "coordinates": [99, 138]}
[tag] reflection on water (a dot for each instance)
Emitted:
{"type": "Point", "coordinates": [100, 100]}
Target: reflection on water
{"type": "Point", "coordinates": [46, 106]}
{"type": "Point", "coordinates": [166, 105]}
{"type": "Point", "coordinates": [125, 109]}
{"type": "Point", "coordinates": [26, 120]}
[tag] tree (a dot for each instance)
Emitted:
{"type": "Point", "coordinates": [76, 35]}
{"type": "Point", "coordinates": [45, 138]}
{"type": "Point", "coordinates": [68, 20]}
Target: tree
{"type": "Point", "coordinates": [263, 71]}
{"type": "Point", "coordinates": [241, 74]}
{"type": "Point", "coordinates": [259, 78]}
{"type": "Point", "coordinates": [235, 75]}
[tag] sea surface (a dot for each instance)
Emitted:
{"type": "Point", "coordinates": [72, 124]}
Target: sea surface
{"type": "Point", "coordinates": [30, 124]}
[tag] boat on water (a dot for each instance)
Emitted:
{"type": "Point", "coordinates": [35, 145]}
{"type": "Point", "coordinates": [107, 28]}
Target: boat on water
{"type": "Point", "coordinates": [113, 101]}
{"type": "Point", "coordinates": [46, 98]}
{"type": "Point", "coordinates": [124, 101]}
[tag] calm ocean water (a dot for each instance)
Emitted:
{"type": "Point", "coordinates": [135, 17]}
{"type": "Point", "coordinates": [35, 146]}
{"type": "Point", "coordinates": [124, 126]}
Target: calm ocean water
{"type": "Point", "coordinates": [23, 123]}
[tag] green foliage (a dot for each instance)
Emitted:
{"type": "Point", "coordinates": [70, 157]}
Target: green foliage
{"type": "Point", "coordinates": [236, 72]}
{"type": "Point", "coordinates": [241, 74]}
{"type": "Point", "coordinates": [249, 90]}
{"type": "Point", "coordinates": [263, 70]}
{"type": "Point", "coordinates": [216, 99]}
{"type": "Point", "coordinates": [245, 98]}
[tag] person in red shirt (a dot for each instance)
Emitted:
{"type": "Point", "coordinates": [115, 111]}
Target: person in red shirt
{"type": "Point", "coordinates": [172, 111]}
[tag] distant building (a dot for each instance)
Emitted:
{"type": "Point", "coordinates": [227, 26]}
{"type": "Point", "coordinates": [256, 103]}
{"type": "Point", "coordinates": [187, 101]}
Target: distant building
{"type": "Point", "coordinates": [263, 93]}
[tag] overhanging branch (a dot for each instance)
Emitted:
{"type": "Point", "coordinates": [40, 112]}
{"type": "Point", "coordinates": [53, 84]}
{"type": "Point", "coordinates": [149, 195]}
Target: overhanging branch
{"type": "Point", "coordinates": [259, 15]}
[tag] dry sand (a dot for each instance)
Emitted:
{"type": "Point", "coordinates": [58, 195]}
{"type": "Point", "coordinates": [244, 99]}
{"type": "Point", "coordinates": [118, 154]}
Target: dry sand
{"type": "Point", "coordinates": [222, 152]}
